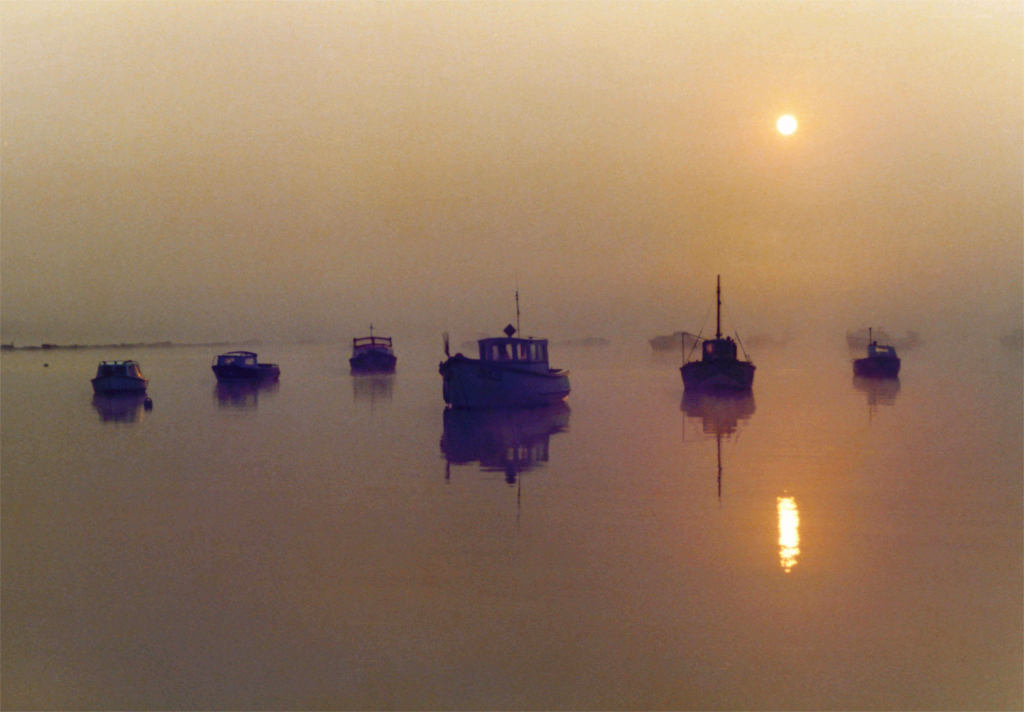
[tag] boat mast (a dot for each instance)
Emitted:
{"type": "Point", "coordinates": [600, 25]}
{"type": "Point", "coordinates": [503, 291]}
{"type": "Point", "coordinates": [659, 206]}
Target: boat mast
{"type": "Point", "coordinates": [718, 312]}
{"type": "Point", "coordinates": [517, 307]}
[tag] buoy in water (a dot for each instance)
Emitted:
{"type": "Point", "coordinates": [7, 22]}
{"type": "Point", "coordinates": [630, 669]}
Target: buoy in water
{"type": "Point", "coordinates": [148, 404]}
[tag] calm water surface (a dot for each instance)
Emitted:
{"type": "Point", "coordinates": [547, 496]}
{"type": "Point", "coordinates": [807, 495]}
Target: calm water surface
{"type": "Point", "coordinates": [338, 542]}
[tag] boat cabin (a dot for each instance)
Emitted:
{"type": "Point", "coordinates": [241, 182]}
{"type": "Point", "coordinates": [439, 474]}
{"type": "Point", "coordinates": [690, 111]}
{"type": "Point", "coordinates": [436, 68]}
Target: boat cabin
{"type": "Point", "coordinates": [126, 369]}
{"type": "Point", "coordinates": [514, 350]}
{"type": "Point", "coordinates": [237, 358]}
{"type": "Point", "coordinates": [364, 343]}
{"type": "Point", "coordinates": [882, 352]}
{"type": "Point", "coordinates": [720, 349]}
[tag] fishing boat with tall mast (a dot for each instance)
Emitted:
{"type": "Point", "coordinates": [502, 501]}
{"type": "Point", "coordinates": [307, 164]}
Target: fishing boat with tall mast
{"type": "Point", "coordinates": [719, 367]}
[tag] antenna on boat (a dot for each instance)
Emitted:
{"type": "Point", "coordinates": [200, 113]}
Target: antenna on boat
{"type": "Point", "coordinates": [371, 333]}
{"type": "Point", "coordinates": [718, 311]}
{"type": "Point", "coordinates": [444, 336]}
{"type": "Point", "coordinates": [517, 307]}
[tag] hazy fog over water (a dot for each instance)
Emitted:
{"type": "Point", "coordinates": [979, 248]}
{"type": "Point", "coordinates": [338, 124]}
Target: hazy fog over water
{"type": "Point", "coordinates": [291, 170]}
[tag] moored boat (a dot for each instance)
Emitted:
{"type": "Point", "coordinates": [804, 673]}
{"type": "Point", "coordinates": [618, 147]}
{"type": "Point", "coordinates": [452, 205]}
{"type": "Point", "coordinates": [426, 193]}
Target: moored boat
{"type": "Point", "coordinates": [119, 377]}
{"type": "Point", "coordinates": [881, 361]}
{"type": "Point", "coordinates": [719, 368]}
{"type": "Point", "coordinates": [510, 373]}
{"type": "Point", "coordinates": [243, 366]}
{"type": "Point", "coordinates": [373, 354]}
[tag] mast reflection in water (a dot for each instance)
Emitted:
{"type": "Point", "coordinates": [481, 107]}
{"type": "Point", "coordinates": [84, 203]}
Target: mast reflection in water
{"type": "Point", "coordinates": [789, 532]}
{"type": "Point", "coordinates": [372, 387]}
{"type": "Point", "coordinates": [509, 441]}
{"type": "Point", "coordinates": [720, 414]}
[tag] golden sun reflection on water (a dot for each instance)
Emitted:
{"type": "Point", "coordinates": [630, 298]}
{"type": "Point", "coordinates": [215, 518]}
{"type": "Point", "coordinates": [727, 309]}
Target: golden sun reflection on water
{"type": "Point", "coordinates": [789, 532]}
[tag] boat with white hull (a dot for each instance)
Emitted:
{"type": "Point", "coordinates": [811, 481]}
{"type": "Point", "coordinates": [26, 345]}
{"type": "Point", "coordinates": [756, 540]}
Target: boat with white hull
{"type": "Point", "coordinates": [510, 373]}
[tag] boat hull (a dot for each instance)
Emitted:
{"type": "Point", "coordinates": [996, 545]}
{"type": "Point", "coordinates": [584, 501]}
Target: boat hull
{"type": "Point", "coordinates": [876, 367]}
{"type": "Point", "coordinates": [119, 384]}
{"type": "Point", "coordinates": [233, 372]}
{"type": "Point", "coordinates": [470, 383]}
{"type": "Point", "coordinates": [373, 361]}
{"type": "Point", "coordinates": [718, 375]}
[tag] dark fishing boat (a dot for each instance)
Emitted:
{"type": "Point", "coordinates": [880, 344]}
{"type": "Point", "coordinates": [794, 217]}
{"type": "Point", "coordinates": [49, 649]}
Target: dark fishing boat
{"type": "Point", "coordinates": [372, 354]}
{"type": "Point", "coordinates": [719, 368]}
{"type": "Point", "coordinates": [243, 366]}
{"type": "Point", "coordinates": [510, 373]}
{"type": "Point", "coordinates": [881, 361]}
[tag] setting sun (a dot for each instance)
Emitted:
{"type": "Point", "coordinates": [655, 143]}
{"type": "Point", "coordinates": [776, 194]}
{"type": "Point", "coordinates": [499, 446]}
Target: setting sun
{"type": "Point", "coordinates": [786, 125]}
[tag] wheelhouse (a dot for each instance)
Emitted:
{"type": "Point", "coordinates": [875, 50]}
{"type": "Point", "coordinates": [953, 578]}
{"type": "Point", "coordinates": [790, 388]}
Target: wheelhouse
{"type": "Point", "coordinates": [720, 349]}
{"type": "Point", "coordinates": [127, 369]}
{"type": "Point", "coordinates": [364, 343]}
{"type": "Point", "coordinates": [237, 358]}
{"type": "Point", "coordinates": [509, 350]}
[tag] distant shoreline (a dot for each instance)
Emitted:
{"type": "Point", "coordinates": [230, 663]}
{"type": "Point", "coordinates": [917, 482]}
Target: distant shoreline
{"type": "Point", "coordinates": [139, 345]}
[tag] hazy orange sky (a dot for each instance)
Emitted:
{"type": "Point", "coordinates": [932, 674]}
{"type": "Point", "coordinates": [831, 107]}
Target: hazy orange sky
{"type": "Point", "coordinates": [201, 171]}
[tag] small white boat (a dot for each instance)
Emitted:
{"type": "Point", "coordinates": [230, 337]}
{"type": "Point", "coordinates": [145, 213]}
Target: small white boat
{"type": "Point", "coordinates": [510, 373]}
{"type": "Point", "coordinates": [119, 377]}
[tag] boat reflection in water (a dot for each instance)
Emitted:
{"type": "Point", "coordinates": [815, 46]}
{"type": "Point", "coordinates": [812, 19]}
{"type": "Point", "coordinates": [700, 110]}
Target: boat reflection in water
{"type": "Point", "coordinates": [242, 395]}
{"type": "Point", "coordinates": [720, 413]}
{"type": "Point", "coordinates": [510, 441]}
{"type": "Point", "coordinates": [119, 407]}
{"type": "Point", "coordinates": [372, 387]}
{"type": "Point", "coordinates": [880, 391]}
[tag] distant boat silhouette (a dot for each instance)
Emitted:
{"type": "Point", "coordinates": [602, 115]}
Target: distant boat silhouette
{"type": "Point", "coordinates": [858, 340]}
{"type": "Point", "coordinates": [881, 361]}
{"type": "Point", "coordinates": [679, 339]}
{"type": "Point", "coordinates": [372, 354]}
